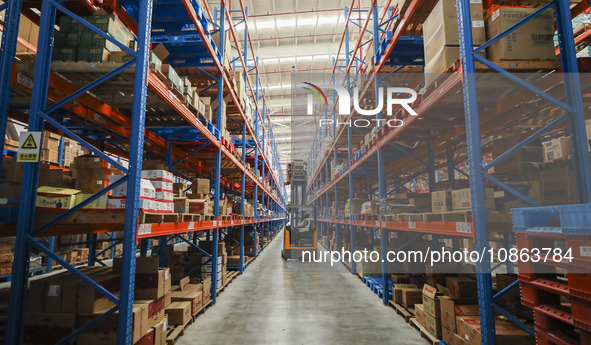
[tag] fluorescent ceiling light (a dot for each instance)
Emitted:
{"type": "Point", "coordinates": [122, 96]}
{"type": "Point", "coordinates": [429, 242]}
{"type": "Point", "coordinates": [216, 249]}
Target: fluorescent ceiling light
{"type": "Point", "coordinates": [286, 22]}
{"type": "Point", "coordinates": [304, 58]}
{"type": "Point", "coordinates": [287, 59]}
{"type": "Point", "coordinates": [307, 21]}
{"type": "Point", "coordinates": [265, 24]}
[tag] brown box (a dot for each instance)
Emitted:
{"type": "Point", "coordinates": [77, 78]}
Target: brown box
{"type": "Point", "coordinates": [531, 41]}
{"type": "Point", "coordinates": [430, 298]}
{"type": "Point", "coordinates": [178, 313]}
{"type": "Point", "coordinates": [152, 285]}
{"type": "Point", "coordinates": [105, 332]}
{"type": "Point", "coordinates": [506, 333]}
{"type": "Point", "coordinates": [181, 205]}
{"type": "Point", "coordinates": [47, 328]}
{"type": "Point", "coordinates": [432, 324]}
{"type": "Point", "coordinates": [451, 308]}
{"type": "Point", "coordinates": [200, 186]}
{"type": "Point", "coordinates": [195, 297]}
{"type": "Point", "coordinates": [441, 201]}
{"type": "Point", "coordinates": [397, 291]}
{"type": "Point", "coordinates": [155, 312]}
{"type": "Point", "coordinates": [411, 297]}
{"type": "Point", "coordinates": [556, 149]}
{"type": "Point", "coordinates": [82, 298]}
{"type": "Point", "coordinates": [420, 314]}
{"type": "Point", "coordinates": [160, 332]}
{"type": "Point", "coordinates": [462, 199]}
{"type": "Point", "coordinates": [461, 286]}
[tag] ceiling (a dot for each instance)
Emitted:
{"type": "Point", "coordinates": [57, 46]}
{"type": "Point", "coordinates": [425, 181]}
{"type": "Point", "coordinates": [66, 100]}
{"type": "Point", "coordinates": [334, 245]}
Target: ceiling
{"type": "Point", "coordinates": [287, 36]}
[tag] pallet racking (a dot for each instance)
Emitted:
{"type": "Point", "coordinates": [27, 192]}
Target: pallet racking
{"type": "Point", "coordinates": [385, 37]}
{"type": "Point", "coordinates": [124, 131]}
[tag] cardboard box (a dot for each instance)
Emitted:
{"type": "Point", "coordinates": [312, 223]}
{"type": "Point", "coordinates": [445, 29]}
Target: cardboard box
{"type": "Point", "coordinates": [439, 63]}
{"type": "Point", "coordinates": [155, 313]}
{"type": "Point", "coordinates": [152, 285]}
{"type": "Point", "coordinates": [80, 297]}
{"type": "Point", "coordinates": [147, 339]}
{"type": "Point", "coordinates": [195, 297]}
{"type": "Point", "coordinates": [452, 308]}
{"type": "Point", "coordinates": [160, 332]}
{"type": "Point", "coordinates": [420, 314]}
{"type": "Point", "coordinates": [56, 198]}
{"type": "Point", "coordinates": [430, 298]}
{"type": "Point", "coordinates": [48, 328]}
{"type": "Point", "coordinates": [461, 287]}
{"type": "Point", "coordinates": [462, 200]}
{"type": "Point", "coordinates": [178, 313]}
{"type": "Point", "coordinates": [200, 206]}
{"type": "Point", "coordinates": [411, 297]}
{"type": "Point", "coordinates": [441, 201]}
{"type": "Point", "coordinates": [200, 186]}
{"type": "Point", "coordinates": [397, 291]}
{"type": "Point", "coordinates": [99, 204]}
{"type": "Point", "coordinates": [531, 41]}
{"type": "Point", "coordinates": [556, 149]}
{"type": "Point", "coordinates": [105, 332]}
{"type": "Point", "coordinates": [506, 333]}
{"type": "Point", "coordinates": [432, 324]}
{"type": "Point", "coordinates": [441, 26]}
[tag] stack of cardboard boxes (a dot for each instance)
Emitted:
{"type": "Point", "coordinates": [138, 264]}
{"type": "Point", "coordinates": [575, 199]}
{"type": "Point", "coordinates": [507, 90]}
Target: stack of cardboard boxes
{"type": "Point", "coordinates": [75, 42]}
{"type": "Point", "coordinates": [451, 312]}
{"type": "Point", "coordinates": [162, 181]}
{"type": "Point", "coordinates": [531, 41]}
{"type": "Point", "coordinates": [441, 38]}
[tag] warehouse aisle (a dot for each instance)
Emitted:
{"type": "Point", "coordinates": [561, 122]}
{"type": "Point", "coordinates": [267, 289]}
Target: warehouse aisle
{"type": "Point", "coordinates": [277, 302]}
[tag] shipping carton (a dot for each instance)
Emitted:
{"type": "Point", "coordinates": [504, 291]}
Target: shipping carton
{"type": "Point", "coordinates": [397, 291]}
{"type": "Point", "coordinates": [430, 298]}
{"type": "Point", "coordinates": [411, 297]}
{"type": "Point", "coordinates": [531, 41]}
{"type": "Point", "coordinates": [56, 198]}
{"type": "Point", "coordinates": [506, 333]}
{"type": "Point", "coordinates": [160, 332]}
{"type": "Point", "coordinates": [451, 308]}
{"type": "Point", "coordinates": [48, 328]}
{"type": "Point", "coordinates": [462, 200]}
{"type": "Point", "coordinates": [195, 297]}
{"type": "Point", "coordinates": [441, 201]}
{"type": "Point", "coordinates": [461, 287]}
{"type": "Point", "coordinates": [179, 313]}
{"type": "Point", "coordinates": [557, 149]}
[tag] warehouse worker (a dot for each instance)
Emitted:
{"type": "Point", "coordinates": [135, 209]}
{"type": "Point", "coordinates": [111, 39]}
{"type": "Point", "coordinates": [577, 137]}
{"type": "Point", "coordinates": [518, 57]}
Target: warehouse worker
{"type": "Point", "coordinates": [304, 227]}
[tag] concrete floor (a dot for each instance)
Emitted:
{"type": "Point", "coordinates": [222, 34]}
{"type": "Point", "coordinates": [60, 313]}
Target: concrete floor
{"type": "Point", "coordinates": [278, 302]}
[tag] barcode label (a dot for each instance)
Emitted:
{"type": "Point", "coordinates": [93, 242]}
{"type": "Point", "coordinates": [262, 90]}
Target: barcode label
{"type": "Point", "coordinates": [463, 227]}
{"type": "Point", "coordinates": [477, 23]}
{"type": "Point", "coordinates": [412, 225]}
{"type": "Point", "coordinates": [585, 251]}
{"type": "Point", "coordinates": [54, 291]}
{"type": "Point", "coordinates": [145, 229]}
{"type": "Point", "coordinates": [215, 223]}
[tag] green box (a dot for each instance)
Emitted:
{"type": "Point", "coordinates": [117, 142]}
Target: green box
{"type": "Point", "coordinates": [91, 54]}
{"type": "Point", "coordinates": [67, 39]}
{"type": "Point", "coordinates": [90, 39]}
{"type": "Point", "coordinates": [65, 54]}
{"type": "Point", "coordinates": [156, 61]}
{"type": "Point", "coordinates": [68, 24]}
{"type": "Point", "coordinates": [113, 26]}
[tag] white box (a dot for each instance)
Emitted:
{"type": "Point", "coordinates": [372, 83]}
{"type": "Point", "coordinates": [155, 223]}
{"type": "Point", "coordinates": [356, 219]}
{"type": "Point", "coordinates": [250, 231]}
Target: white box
{"type": "Point", "coordinates": [161, 175]}
{"type": "Point", "coordinates": [164, 196]}
{"type": "Point", "coordinates": [147, 191]}
{"type": "Point", "coordinates": [145, 205]}
{"type": "Point", "coordinates": [162, 185]}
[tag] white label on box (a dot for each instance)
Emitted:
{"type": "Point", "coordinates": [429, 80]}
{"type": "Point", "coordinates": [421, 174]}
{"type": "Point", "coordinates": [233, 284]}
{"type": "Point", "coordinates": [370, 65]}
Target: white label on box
{"type": "Point", "coordinates": [463, 227]}
{"type": "Point", "coordinates": [495, 15]}
{"type": "Point", "coordinates": [165, 325]}
{"type": "Point", "coordinates": [54, 291]}
{"type": "Point", "coordinates": [99, 181]}
{"type": "Point", "coordinates": [191, 225]}
{"type": "Point", "coordinates": [478, 23]}
{"type": "Point", "coordinates": [166, 275]}
{"type": "Point", "coordinates": [475, 1]}
{"type": "Point", "coordinates": [3, 201]}
{"type": "Point", "coordinates": [96, 160]}
{"type": "Point", "coordinates": [585, 251]}
{"type": "Point", "coordinates": [412, 225]}
{"type": "Point", "coordinates": [145, 229]}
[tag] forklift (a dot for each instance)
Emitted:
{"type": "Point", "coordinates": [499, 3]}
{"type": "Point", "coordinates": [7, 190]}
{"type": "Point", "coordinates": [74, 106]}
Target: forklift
{"type": "Point", "coordinates": [300, 234]}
